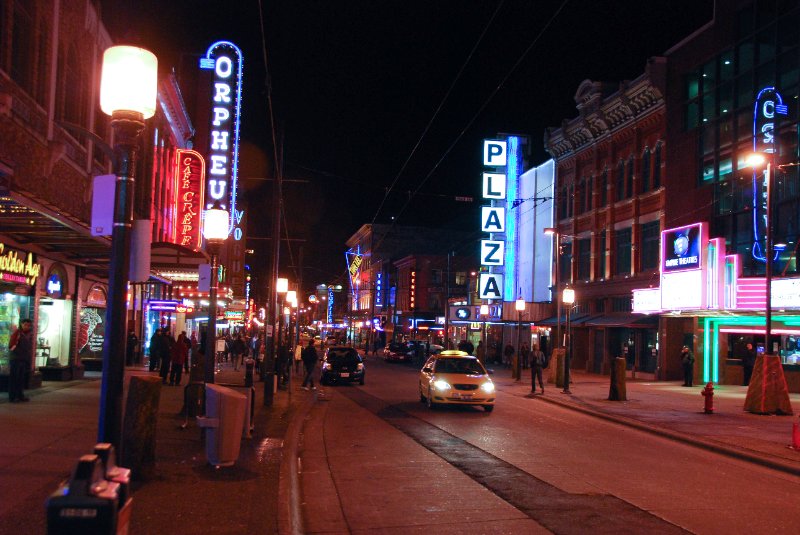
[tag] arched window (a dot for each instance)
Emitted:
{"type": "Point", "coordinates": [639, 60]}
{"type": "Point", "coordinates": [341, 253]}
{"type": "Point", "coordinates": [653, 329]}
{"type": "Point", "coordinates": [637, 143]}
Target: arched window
{"type": "Point", "coordinates": [657, 166]}
{"type": "Point", "coordinates": [620, 181]}
{"type": "Point", "coordinates": [589, 192]}
{"type": "Point", "coordinates": [646, 170]}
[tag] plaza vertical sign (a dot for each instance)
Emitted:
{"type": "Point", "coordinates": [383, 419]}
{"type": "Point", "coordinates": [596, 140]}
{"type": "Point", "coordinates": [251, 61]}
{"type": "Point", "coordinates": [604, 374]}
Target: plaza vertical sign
{"type": "Point", "coordinates": [225, 59]}
{"type": "Point", "coordinates": [190, 171]}
{"type": "Point", "coordinates": [492, 250]}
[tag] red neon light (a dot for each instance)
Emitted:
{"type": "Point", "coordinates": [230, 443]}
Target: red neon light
{"type": "Point", "coordinates": [190, 173]}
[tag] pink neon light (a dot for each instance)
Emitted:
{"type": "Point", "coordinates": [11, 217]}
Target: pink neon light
{"type": "Point", "coordinates": [758, 331]}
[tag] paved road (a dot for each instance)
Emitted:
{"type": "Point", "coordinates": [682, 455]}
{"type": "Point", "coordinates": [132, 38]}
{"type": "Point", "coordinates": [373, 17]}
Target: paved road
{"type": "Point", "coordinates": [374, 458]}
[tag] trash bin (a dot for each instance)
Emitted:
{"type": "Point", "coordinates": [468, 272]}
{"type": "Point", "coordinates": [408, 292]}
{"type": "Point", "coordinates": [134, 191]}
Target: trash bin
{"type": "Point", "coordinates": [224, 419]}
{"type": "Point", "coordinates": [88, 503]}
{"type": "Point", "coordinates": [249, 408]}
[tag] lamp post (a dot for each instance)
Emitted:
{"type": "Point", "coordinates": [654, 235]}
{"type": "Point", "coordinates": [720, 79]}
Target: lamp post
{"type": "Point", "coordinates": [215, 231]}
{"type": "Point", "coordinates": [128, 94]}
{"type": "Point", "coordinates": [519, 305]}
{"type": "Point", "coordinates": [568, 297]}
{"type": "Point", "coordinates": [281, 287]}
{"type": "Point", "coordinates": [550, 231]}
{"type": "Point", "coordinates": [484, 312]}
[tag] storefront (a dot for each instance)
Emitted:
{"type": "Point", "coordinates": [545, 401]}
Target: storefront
{"type": "Point", "coordinates": [92, 328]}
{"type": "Point", "coordinates": [54, 324]}
{"type": "Point", "coordinates": [19, 271]}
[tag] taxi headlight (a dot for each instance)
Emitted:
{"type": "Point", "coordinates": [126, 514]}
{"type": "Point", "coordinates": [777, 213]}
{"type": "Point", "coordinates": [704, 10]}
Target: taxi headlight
{"type": "Point", "coordinates": [441, 385]}
{"type": "Point", "coordinates": [487, 387]}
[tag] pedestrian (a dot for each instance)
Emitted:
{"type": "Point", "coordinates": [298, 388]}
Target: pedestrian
{"type": "Point", "coordinates": [310, 362]}
{"type": "Point", "coordinates": [687, 360]}
{"type": "Point", "coordinates": [188, 351]}
{"type": "Point", "coordinates": [462, 346]}
{"type": "Point", "coordinates": [130, 348]}
{"type": "Point", "coordinates": [167, 347]}
{"type": "Point", "coordinates": [375, 345]}
{"type": "Point", "coordinates": [237, 351]}
{"type": "Point", "coordinates": [508, 354]}
{"type": "Point", "coordinates": [155, 350]}
{"type": "Point", "coordinates": [748, 361]}
{"type": "Point", "coordinates": [179, 356]}
{"type": "Point", "coordinates": [481, 352]}
{"type": "Point", "coordinates": [538, 363]}
{"type": "Point", "coordinates": [525, 353]}
{"type": "Point", "coordinates": [470, 348]}
{"type": "Point", "coordinates": [20, 345]}
{"type": "Point", "coordinates": [228, 347]}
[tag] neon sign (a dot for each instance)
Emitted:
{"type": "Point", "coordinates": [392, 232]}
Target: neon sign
{"type": "Point", "coordinates": [190, 171]}
{"type": "Point", "coordinates": [768, 106]}
{"type": "Point", "coordinates": [13, 268]}
{"type": "Point", "coordinates": [379, 290]}
{"type": "Point", "coordinates": [412, 297]}
{"type": "Point", "coordinates": [225, 59]}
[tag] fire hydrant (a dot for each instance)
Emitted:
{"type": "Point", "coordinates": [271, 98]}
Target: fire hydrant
{"type": "Point", "coordinates": [708, 393]}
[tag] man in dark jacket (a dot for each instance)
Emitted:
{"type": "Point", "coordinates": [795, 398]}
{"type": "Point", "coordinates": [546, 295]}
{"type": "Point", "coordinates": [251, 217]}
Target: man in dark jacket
{"type": "Point", "coordinates": [21, 346]}
{"type": "Point", "coordinates": [310, 362]}
{"type": "Point", "coordinates": [155, 350]}
{"type": "Point", "coordinates": [687, 361]}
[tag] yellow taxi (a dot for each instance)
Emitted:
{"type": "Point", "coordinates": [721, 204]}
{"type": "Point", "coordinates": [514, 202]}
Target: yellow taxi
{"type": "Point", "coordinates": [455, 377]}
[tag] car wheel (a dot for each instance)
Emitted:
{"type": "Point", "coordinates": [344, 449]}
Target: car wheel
{"type": "Point", "coordinates": [429, 400]}
{"type": "Point", "coordinates": [488, 408]}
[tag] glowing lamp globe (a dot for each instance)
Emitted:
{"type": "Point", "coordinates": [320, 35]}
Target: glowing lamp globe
{"type": "Point", "coordinates": [291, 296]}
{"type": "Point", "coordinates": [215, 225]}
{"type": "Point", "coordinates": [129, 81]}
{"type": "Point", "coordinates": [519, 305]}
{"type": "Point", "coordinates": [282, 285]}
{"type": "Point", "coordinates": [568, 296]}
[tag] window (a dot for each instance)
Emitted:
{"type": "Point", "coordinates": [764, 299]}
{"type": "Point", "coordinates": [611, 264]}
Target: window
{"type": "Point", "coordinates": [565, 263]}
{"type": "Point", "coordinates": [461, 278]}
{"type": "Point", "coordinates": [603, 187]}
{"type": "Point", "coordinates": [562, 203]}
{"type": "Point", "coordinates": [589, 192]}
{"type": "Point", "coordinates": [646, 170]}
{"type": "Point", "coordinates": [651, 234]}
{"type": "Point", "coordinates": [436, 276]}
{"type": "Point", "coordinates": [620, 194]}
{"type": "Point", "coordinates": [23, 44]}
{"type": "Point", "coordinates": [621, 304]}
{"type": "Point", "coordinates": [623, 252]}
{"type": "Point", "coordinates": [579, 192]}
{"type": "Point", "coordinates": [657, 166]}
{"type": "Point", "coordinates": [584, 259]}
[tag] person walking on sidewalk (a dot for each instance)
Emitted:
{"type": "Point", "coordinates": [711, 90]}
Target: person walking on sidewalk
{"type": "Point", "coordinates": [481, 352]}
{"type": "Point", "coordinates": [525, 353]}
{"type": "Point", "coordinates": [298, 358]}
{"type": "Point", "coordinates": [168, 346]}
{"type": "Point", "coordinates": [508, 354]}
{"type": "Point", "coordinates": [180, 354]}
{"type": "Point", "coordinates": [310, 362]}
{"type": "Point", "coordinates": [687, 360]}
{"type": "Point", "coordinates": [21, 347]}
{"type": "Point", "coordinates": [748, 361]}
{"type": "Point", "coordinates": [537, 365]}
{"type": "Point", "coordinates": [155, 350]}
{"type": "Point", "coordinates": [238, 349]}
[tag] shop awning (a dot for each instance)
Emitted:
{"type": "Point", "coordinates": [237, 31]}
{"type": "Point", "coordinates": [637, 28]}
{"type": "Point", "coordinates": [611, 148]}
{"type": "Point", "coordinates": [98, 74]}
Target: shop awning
{"type": "Point", "coordinates": [623, 319]}
{"type": "Point", "coordinates": [575, 319]}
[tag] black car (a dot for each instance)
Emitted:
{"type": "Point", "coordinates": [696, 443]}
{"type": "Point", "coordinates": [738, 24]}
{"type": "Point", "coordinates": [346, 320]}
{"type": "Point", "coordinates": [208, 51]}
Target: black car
{"type": "Point", "coordinates": [342, 364]}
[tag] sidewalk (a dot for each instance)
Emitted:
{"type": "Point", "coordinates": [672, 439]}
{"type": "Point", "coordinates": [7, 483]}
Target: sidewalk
{"type": "Point", "coordinates": [42, 440]}
{"type": "Point", "coordinates": [670, 410]}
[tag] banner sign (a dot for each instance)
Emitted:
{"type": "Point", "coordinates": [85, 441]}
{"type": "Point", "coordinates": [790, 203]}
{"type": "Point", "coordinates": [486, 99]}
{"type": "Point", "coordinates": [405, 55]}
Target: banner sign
{"type": "Point", "coordinates": [682, 248]}
{"type": "Point", "coordinates": [190, 172]}
{"type": "Point", "coordinates": [18, 266]}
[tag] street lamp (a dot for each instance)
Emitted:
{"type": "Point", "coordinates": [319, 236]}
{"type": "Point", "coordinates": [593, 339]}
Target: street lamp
{"type": "Point", "coordinates": [568, 297]}
{"type": "Point", "coordinates": [519, 305]}
{"type": "Point", "coordinates": [484, 312]}
{"type": "Point", "coordinates": [128, 94]}
{"type": "Point", "coordinates": [215, 231]}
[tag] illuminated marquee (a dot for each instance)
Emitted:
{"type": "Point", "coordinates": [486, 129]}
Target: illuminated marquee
{"type": "Point", "coordinates": [225, 59]}
{"type": "Point", "coordinates": [413, 290]}
{"type": "Point", "coordinates": [18, 267]}
{"type": "Point", "coordinates": [190, 171]}
{"type": "Point", "coordinates": [379, 290]}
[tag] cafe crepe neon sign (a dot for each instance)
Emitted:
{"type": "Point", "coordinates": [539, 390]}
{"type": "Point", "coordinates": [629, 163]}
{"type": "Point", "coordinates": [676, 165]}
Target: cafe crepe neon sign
{"type": "Point", "coordinates": [190, 171]}
{"type": "Point", "coordinates": [225, 59]}
{"type": "Point", "coordinates": [13, 268]}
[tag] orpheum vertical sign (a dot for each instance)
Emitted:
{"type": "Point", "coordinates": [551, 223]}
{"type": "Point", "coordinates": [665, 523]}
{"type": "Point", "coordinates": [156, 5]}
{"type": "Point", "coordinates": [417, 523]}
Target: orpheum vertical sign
{"type": "Point", "coordinates": [190, 174]}
{"type": "Point", "coordinates": [225, 59]}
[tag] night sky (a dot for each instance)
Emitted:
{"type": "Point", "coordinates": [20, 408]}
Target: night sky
{"type": "Point", "coordinates": [356, 82]}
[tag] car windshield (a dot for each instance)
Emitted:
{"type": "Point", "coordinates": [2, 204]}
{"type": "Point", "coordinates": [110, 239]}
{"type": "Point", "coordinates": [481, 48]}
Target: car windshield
{"type": "Point", "coordinates": [343, 356]}
{"type": "Point", "coordinates": [460, 365]}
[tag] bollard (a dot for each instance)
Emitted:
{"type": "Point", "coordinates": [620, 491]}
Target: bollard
{"type": "Point", "coordinates": [269, 388]}
{"type": "Point", "coordinates": [249, 366]}
{"type": "Point", "coordinates": [708, 393]}
{"type": "Point", "coordinates": [88, 503]}
{"type": "Point", "coordinates": [617, 390]}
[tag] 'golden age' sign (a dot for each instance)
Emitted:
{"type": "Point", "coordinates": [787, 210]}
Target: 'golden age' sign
{"type": "Point", "coordinates": [18, 266]}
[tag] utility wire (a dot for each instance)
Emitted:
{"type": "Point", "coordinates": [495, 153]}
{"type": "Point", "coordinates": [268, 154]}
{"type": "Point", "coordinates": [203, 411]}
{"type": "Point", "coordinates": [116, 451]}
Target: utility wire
{"type": "Point", "coordinates": [438, 109]}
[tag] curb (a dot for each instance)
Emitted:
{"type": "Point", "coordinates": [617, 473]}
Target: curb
{"type": "Point", "coordinates": [290, 516]}
{"type": "Point", "coordinates": [708, 445]}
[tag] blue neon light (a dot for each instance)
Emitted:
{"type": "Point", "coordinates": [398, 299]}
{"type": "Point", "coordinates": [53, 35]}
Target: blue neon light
{"type": "Point", "coordinates": [234, 185]}
{"type": "Point", "coordinates": [769, 109]}
{"type": "Point", "coordinates": [330, 304]}
{"type": "Point", "coordinates": [379, 290]}
{"type": "Point", "coordinates": [513, 170]}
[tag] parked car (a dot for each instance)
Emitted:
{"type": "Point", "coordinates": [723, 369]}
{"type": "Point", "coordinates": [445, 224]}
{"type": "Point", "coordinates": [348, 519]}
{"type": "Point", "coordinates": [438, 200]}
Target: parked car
{"type": "Point", "coordinates": [342, 364]}
{"type": "Point", "coordinates": [406, 351]}
{"type": "Point", "coordinates": [454, 377]}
